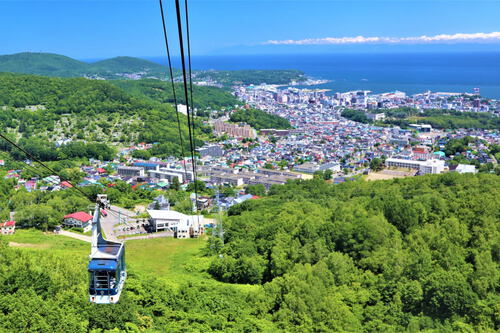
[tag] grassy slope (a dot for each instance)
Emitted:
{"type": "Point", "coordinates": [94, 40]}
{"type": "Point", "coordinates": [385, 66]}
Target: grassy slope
{"type": "Point", "coordinates": [176, 261]}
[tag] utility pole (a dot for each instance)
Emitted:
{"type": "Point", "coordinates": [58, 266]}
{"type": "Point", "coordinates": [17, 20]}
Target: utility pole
{"type": "Point", "coordinates": [219, 223]}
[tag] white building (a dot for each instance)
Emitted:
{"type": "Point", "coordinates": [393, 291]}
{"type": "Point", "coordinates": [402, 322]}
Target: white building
{"type": "Point", "coordinates": [183, 226]}
{"type": "Point", "coordinates": [165, 176]}
{"type": "Point", "coordinates": [130, 171]}
{"type": "Point", "coordinates": [423, 167]}
{"type": "Point", "coordinates": [465, 168]}
{"type": "Point", "coordinates": [313, 167]}
{"type": "Point", "coordinates": [376, 116]}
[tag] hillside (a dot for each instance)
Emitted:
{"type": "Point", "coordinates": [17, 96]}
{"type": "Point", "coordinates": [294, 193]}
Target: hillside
{"type": "Point", "coordinates": [259, 119]}
{"type": "Point", "coordinates": [49, 64]}
{"type": "Point", "coordinates": [114, 67]}
{"type": "Point", "coordinates": [412, 255]}
{"type": "Point", "coordinates": [161, 91]}
{"type": "Point", "coordinates": [36, 108]}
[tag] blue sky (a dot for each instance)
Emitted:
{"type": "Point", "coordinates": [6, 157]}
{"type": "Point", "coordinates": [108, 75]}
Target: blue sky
{"type": "Point", "coordinates": [105, 28]}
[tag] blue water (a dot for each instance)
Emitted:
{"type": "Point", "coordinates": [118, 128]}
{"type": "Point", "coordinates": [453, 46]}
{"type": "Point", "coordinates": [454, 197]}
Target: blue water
{"type": "Point", "coordinates": [408, 72]}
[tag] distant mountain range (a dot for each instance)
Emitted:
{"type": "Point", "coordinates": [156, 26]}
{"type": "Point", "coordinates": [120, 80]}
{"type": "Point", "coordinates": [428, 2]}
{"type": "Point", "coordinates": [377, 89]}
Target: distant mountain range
{"type": "Point", "coordinates": [49, 64]}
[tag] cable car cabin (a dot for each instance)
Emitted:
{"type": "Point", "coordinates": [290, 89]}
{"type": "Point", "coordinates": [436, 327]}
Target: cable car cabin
{"type": "Point", "coordinates": [107, 274]}
{"type": "Point", "coordinates": [106, 267]}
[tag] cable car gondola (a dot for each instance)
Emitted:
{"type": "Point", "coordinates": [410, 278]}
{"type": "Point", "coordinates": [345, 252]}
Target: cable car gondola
{"type": "Point", "coordinates": [106, 267]}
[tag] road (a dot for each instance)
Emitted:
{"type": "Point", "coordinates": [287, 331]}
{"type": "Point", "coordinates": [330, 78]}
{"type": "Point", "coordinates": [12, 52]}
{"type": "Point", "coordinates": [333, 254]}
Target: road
{"type": "Point", "coordinates": [84, 238]}
{"type": "Point", "coordinates": [108, 222]}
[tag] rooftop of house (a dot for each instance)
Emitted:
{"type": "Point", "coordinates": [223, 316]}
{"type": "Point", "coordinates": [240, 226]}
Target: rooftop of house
{"type": "Point", "coordinates": [80, 216]}
{"type": "Point", "coordinates": [7, 224]}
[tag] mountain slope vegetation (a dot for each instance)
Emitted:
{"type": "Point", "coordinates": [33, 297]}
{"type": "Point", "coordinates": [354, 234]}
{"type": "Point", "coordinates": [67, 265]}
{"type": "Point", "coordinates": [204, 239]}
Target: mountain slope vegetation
{"type": "Point", "coordinates": [42, 64]}
{"type": "Point", "coordinates": [418, 254]}
{"type": "Point", "coordinates": [49, 64]}
{"type": "Point", "coordinates": [52, 109]}
{"type": "Point", "coordinates": [161, 91]}
{"type": "Point", "coordinates": [259, 119]}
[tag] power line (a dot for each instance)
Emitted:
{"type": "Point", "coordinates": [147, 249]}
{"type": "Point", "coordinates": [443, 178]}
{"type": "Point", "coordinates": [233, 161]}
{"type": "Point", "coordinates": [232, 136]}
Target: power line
{"type": "Point", "coordinates": [90, 198]}
{"type": "Point", "coordinates": [34, 158]}
{"type": "Point", "coordinates": [58, 183]}
{"type": "Point", "coordinates": [193, 114]}
{"type": "Point", "coordinates": [190, 120]}
{"type": "Point", "coordinates": [173, 86]}
{"type": "Point", "coordinates": [188, 39]}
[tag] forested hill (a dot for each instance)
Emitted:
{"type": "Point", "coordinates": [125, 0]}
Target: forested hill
{"type": "Point", "coordinates": [49, 109]}
{"type": "Point", "coordinates": [259, 119]}
{"type": "Point", "coordinates": [43, 64]}
{"type": "Point", "coordinates": [410, 255]}
{"type": "Point", "coordinates": [161, 91]}
{"type": "Point", "coordinates": [49, 64]}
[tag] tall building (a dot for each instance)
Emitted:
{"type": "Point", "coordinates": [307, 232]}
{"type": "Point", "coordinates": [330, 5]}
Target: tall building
{"type": "Point", "coordinates": [234, 130]}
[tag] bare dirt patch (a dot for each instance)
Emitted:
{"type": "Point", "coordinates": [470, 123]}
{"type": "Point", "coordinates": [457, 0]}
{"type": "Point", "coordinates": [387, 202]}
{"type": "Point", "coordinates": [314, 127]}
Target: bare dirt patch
{"type": "Point", "coordinates": [28, 245]}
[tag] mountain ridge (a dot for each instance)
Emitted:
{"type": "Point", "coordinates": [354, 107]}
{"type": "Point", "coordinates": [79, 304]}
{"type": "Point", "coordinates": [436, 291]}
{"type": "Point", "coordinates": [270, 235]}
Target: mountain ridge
{"type": "Point", "coordinates": [52, 64]}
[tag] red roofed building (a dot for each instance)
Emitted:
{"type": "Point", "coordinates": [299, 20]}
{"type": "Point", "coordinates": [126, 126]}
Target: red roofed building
{"type": "Point", "coordinates": [66, 184]}
{"type": "Point", "coordinates": [79, 220]}
{"type": "Point", "coordinates": [7, 228]}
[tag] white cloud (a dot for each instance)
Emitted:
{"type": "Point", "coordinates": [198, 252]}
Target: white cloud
{"type": "Point", "coordinates": [443, 38]}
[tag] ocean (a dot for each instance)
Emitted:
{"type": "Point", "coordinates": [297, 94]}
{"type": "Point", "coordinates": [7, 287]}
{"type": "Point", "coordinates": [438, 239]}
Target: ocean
{"type": "Point", "coordinates": [409, 72]}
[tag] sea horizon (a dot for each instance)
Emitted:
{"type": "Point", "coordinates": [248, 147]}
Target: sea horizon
{"type": "Point", "coordinates": [410, 72]}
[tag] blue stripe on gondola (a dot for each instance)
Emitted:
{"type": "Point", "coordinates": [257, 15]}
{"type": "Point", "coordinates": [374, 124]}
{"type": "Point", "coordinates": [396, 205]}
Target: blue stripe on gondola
{"type": "Point", "coordinates": [102, 265]}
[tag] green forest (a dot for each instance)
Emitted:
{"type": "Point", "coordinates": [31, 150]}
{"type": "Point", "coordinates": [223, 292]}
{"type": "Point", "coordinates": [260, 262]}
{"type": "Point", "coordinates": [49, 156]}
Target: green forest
{"type": "Point", "coordinates": [42, 109]}
{"type": "Point", "coordinates": [252, 76]}
{"type": "Point", "coordinates": [417, 254]}
{"type": "Point", "coordinates": [49, 64]}
{"type": "Point", "coordinates": [442, 119]}
{"type": "Point", "coordinates": [259, 119]}
{"type": "Point", "coordinates": [161, 91]}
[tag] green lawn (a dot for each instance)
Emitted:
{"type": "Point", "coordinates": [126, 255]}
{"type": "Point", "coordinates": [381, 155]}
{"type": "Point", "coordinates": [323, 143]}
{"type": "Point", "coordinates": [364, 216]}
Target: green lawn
{"type": "Point", "coordinates": [176, 261]}
{"type": "Point", "coordinates": [29, 239]}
